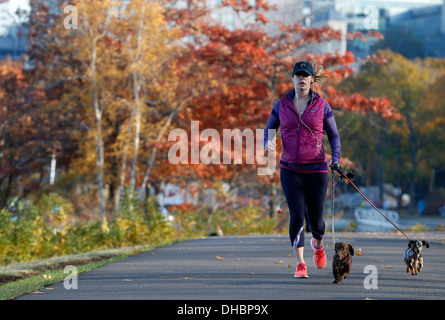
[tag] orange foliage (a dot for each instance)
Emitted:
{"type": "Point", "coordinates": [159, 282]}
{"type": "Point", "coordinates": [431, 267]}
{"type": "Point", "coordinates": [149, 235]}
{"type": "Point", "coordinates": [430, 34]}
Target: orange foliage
{"type": "Point", "coordinates": [247, 70]}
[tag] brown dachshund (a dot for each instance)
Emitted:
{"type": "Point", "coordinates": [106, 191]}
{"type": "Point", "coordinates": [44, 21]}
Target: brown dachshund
{"type": "Point", "coordinates": [341, 264]}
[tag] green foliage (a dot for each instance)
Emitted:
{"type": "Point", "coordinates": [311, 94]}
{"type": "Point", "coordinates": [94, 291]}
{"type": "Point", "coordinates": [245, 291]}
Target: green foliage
{"type": "Point", "coordinates": [418, 227]}
{"type": "Point", "coordinates": [245, 220]}
{"type": "Point", "coordinates": [140, 223]}
{"type": "Point", "coordinates": [406, 152]}
{"type": "Point", "coordinates": [21, 232]}
{"type": "Point", "coordinates": [188, 222]}
{"type": "Point", "coordinates": [47, 228]}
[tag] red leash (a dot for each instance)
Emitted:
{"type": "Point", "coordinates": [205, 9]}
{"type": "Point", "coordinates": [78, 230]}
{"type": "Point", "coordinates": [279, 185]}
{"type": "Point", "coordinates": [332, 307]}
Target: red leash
{"type": "Point", "coordinates": [347, 178]}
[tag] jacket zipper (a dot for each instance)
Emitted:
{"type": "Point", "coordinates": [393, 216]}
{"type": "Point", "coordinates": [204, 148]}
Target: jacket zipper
{"type": "Point", "coordinates": [298, 139]}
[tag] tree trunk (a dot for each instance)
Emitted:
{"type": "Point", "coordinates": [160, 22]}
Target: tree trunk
{"type": "Point", "coordinates": [137, 83]}
{"type": "Point", "coordinates": [137, 130]}
{"type": "Point", "coordinates": [99, 141]}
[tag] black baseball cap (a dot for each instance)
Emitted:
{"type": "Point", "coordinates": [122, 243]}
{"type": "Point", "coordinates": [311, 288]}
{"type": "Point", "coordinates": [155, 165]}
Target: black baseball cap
{"type": "Point", "coordinates": [303, 66]}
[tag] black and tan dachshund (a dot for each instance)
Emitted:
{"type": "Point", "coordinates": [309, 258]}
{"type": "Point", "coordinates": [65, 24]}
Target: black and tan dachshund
{"type": "Point", "coordinates": [413, 256]}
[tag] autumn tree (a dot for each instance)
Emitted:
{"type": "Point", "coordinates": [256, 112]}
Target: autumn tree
{"type": "Point", "coordinates": [132, 71]}
{"type": "Point", "coordinates": [30, 132]}
{"type": "Point", "coordinates": [393, 148]}
{"type": "Point", "coordinates": [250, 69]}
{"type": "Point", "coordinates": [113, 71]}
{"type": "Point", "coordinates": [432, 115]}
{"type": "Point", "coordinates": [52, 54]}
{"type": "Point", "coordinates": [15, 133]}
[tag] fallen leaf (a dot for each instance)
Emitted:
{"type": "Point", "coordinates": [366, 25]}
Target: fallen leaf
{"type": "Point", "coordinates": [379, 260]}
{"type": "Point", "coordinates": [388, 267]}
{"type": "Point", "coordinates": [278, 262]}
{"type": "Point", "coordinates": [359, 249]}
{"type": "Point", "coordinates": [47, 276]}
{"type": "Point", "coordinates": [289, 255]}
{"type": "Point", "coordinates": [127, 280]}
{"type": "Point", "coordinates": [329, 246]}
{"type": "Point", "coordinates": [219, 258]}
{"type": "Point", "coordinates": [358, 254]}
{"type": "Point", "coordinates": [288, 266]}
{"type": "Point", "coordinates": [186, 278]}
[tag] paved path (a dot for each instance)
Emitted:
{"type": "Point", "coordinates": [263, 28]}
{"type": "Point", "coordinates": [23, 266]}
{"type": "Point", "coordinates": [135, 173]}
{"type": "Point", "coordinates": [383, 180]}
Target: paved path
{"type": "Point", "coordinates": [260, 268]}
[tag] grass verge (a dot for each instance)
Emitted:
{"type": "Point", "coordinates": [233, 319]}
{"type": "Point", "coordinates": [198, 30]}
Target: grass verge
{"type": "Point", "coordinates": [34, 276]}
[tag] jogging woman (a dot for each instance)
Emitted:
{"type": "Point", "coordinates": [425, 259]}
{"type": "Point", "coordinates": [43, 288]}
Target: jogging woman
{"type": "Point", "coordinates": [304, 117]}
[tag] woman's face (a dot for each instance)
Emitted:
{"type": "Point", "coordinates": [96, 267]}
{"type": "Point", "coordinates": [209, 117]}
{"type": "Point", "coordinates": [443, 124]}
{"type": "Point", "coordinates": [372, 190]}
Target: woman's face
{"type": "Point", "coordinates": [302, 81]}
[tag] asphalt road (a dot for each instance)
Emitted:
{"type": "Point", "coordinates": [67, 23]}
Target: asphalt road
{"type": "Point", "coordinates": [261, 268]}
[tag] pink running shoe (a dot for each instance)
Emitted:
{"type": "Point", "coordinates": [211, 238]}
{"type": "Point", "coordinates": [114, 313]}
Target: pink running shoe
{"type": "Point", "coordinates": [319, 255]}
{"type": "Point", "coordinates": [301, 271]}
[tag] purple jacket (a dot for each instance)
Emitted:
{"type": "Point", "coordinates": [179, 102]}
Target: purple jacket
{"type": "Point", "coordinates": [302, 139]}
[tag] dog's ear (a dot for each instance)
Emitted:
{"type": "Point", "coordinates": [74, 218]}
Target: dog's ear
{"type": "Point", "coordinates": [351, 250]}
{"type": "Point", "coordinates": [410, 243]}
{"type": "Point", "coordinates": [425, 243]}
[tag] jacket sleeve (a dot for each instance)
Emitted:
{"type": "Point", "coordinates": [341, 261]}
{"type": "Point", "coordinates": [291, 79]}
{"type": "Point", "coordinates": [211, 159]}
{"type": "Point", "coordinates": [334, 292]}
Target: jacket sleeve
{"type": "Point", "coordinates": [273, 123]}
{"type": "Point", "coordinates": [332, 132]}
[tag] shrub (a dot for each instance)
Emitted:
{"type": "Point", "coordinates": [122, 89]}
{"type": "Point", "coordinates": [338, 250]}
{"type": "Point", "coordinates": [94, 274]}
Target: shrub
{"type": "Point", "coordinates": [23, 233]}
{"type": "Point", "coordinates": [49, 228]}
{"type": "Point", "coordinates": [246, 220]}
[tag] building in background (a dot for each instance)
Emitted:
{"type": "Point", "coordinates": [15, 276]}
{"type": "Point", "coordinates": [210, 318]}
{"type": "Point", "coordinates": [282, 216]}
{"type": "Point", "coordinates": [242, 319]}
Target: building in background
{"type": "Point", "coordinates": [423, 26]}
{"type": "Point", "coordinates": [379, 15]}
{"type": "Point", "coordinates": [307, 13]}
{"type": "Point", "coordinates": [331, 17]}
{"type": "Point", "coordinates": [424, 18]}
{"type": "Point", "coordinates": [10, 43]}
{"type": "Point", "coordinates": [288, 11]}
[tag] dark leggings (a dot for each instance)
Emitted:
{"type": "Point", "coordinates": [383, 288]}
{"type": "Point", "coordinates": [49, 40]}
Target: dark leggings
{"type": "Point", "coordinates": [304, 191]}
